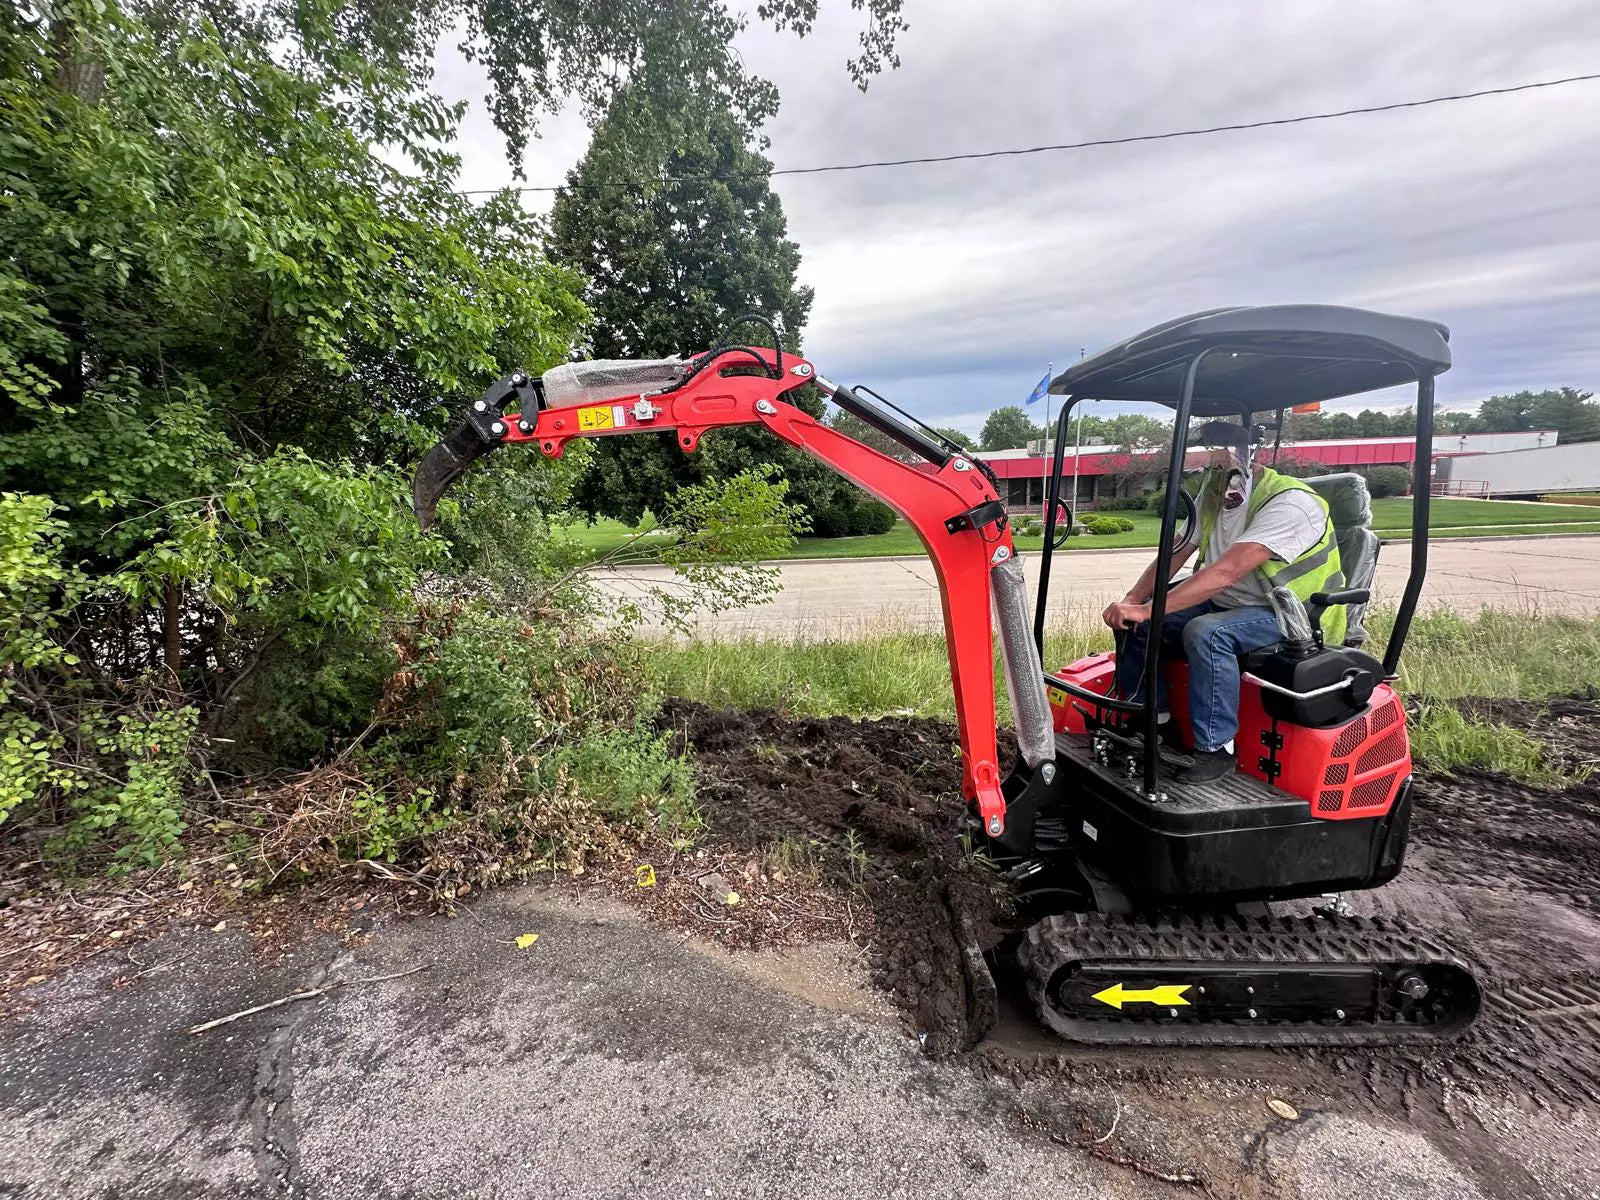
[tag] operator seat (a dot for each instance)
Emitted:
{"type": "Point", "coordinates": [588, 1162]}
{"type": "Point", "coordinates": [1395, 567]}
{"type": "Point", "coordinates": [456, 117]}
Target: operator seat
{"type": "Point", "coordinates": [1350, 505]}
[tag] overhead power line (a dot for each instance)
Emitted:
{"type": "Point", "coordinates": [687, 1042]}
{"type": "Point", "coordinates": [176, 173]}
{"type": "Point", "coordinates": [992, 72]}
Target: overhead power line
{"type": "Point", "coordinates": [1019, 152]}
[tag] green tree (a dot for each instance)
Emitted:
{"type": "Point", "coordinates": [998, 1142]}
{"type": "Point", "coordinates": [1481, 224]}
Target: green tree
{"type": "Point", "coordinates": [1008, 428]}
{"type": "Point", "coordinates": [1571, 412]}
{"type": "Point", "coordinates": [1511, 413]}
{"type": "Point", "coordinates": [539, 53]}
{"type": "Point", "coordinates": [668, 265]}
{"type": "Point", "coordinates": [853, 426]}
{"type": "Point", "coordinates": [228, 322]}
{"type": "Point", "coordinates": [1136, 431]}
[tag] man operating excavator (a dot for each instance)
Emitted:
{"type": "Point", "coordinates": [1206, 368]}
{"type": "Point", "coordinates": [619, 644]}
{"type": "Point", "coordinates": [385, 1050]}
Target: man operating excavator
{"type": "Point", "coordinates": [1258, 530]}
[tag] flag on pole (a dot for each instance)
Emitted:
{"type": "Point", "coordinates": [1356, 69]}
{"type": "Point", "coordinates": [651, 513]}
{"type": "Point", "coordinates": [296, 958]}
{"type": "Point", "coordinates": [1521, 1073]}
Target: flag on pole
{"type": "Point", "coordinates": [1041, 390]}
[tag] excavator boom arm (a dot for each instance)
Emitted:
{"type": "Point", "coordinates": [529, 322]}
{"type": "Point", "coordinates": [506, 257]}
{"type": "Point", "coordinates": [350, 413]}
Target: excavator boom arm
{"type": "Point", "coordinates": [949, 501]}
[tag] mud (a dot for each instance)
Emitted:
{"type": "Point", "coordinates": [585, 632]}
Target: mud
{"type": "Point", "coordinates": [1507, 872]}
{"type": "Point", "coordinates": [880, 802]}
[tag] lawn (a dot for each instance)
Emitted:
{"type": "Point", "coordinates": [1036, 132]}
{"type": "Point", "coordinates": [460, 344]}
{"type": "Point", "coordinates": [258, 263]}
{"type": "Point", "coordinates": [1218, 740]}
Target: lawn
{"type": "Point", "coordinates": [1451, 512]}
{"type": "Point", "coordinates": [1447, 516]}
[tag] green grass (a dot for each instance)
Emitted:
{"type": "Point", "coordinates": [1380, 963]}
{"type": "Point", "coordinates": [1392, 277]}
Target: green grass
{"type": "Point", "coordinates": [1448, 517]}
{"type": "Point", "coordinates": [889, 670]}
{"type": "Point", "coordinates": [1450, 740]}
{"type": "Point", "coordinates": [1518, 654]}
{"type": "Point", "coordinates": [1449, 511]}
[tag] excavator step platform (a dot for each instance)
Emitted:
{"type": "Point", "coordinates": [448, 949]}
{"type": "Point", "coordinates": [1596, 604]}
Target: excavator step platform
{"type": "Point", "coordinates": [1216, 979]}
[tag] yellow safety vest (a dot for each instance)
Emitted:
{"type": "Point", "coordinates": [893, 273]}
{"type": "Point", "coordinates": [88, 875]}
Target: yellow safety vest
{"type": "Point", "coordinates": [1317, 570]}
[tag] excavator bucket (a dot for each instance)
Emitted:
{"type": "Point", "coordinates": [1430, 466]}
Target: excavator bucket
{"type": "Point", "coordinates": [440, 466]}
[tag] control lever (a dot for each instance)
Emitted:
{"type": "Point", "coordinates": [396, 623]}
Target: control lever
{"type": "Point", "coordinates": [1294, 622]}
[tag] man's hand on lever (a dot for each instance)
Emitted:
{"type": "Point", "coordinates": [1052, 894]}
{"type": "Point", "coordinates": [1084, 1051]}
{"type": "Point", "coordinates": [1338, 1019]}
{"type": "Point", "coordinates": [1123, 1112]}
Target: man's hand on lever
{"type": "Point", "coordinates": [1125, 614]}
{"type": "Point", "coordinates": [1240, 559]}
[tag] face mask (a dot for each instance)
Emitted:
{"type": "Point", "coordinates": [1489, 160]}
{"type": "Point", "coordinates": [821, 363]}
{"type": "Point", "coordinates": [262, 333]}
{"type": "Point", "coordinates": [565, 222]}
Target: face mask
{"type": "Point", "coordinates": [1235, 492]}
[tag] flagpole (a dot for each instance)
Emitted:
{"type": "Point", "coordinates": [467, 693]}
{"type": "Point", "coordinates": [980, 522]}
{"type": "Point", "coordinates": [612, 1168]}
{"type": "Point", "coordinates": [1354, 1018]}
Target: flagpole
{"type": "Point", "coordinates": [1044, 468]}
{"type": "Point", "coordinates": [1077, 445]}
{"type": "Point", "coordinates": [1077, 448]}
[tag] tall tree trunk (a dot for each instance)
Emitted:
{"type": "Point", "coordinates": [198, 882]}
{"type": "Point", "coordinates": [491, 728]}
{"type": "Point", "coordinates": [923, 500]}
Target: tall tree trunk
{"type": "Point", "coordinates": [79, 71]}
{"type": "Point", "coordinates": [171, 642]}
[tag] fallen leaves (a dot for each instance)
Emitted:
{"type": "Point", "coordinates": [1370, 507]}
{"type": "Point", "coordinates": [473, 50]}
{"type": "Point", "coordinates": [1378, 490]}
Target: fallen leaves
{"type": "Point", "coordinates": [524, 940]}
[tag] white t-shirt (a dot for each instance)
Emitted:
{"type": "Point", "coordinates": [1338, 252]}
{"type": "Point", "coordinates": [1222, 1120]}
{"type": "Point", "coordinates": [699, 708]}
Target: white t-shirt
{"type": "Point", "coordinates": [1288, 525]}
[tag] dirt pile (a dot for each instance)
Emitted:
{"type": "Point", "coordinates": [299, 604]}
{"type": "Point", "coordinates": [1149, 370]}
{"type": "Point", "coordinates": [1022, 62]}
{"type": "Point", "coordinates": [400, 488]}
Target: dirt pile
{"type": "Point", "coordinates": [880, 803]}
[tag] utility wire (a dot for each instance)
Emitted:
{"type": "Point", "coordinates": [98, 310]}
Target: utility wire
{"type": "Point", "coordinates": [1117, 141]}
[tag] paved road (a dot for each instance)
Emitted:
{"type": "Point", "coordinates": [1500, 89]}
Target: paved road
{"type": "Point", "coordinates": [615, 1059]}
{"type": "Point", "coordinates": [838, 597]}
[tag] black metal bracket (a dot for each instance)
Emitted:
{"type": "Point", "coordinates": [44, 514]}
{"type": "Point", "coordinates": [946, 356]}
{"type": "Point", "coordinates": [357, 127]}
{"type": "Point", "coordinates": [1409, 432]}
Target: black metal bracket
{"type": "Point", "coordinates": [489, 410]}
{"type": "Point", "coordinates": [1272, 739]}
{"type": "Point", "coordinates": [1270, 767]}
{"type": "Point", "coordinates": [976, 518]}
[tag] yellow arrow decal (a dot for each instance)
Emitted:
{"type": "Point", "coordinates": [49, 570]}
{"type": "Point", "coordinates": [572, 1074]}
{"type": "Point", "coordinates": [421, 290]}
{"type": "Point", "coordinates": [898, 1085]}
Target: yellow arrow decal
{"type": "Point", "coordinates": [1169, 994]}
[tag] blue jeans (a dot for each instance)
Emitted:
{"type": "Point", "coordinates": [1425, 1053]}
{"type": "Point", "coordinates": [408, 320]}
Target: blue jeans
{"type": "Point", "coordinates": [1212, 639]}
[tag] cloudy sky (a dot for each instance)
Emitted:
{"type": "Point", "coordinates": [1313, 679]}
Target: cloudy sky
{"type": "Point", "coordinates": [949, 287]}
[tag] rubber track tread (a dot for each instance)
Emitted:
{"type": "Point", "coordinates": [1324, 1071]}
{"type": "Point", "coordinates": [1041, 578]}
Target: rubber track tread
{"type": "Point", "coordinates": [1213, 938]}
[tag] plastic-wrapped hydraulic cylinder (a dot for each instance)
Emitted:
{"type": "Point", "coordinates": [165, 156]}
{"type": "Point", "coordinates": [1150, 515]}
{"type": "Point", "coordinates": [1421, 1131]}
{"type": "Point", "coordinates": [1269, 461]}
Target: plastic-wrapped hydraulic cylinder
{"type": "Point", "coordinates": [1030, 708]}
{"type": "Point", "coordinates": [608, 379]}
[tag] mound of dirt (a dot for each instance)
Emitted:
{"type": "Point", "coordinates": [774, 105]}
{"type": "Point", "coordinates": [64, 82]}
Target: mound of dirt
{"type": "Point", "coordinates": [880, 803]}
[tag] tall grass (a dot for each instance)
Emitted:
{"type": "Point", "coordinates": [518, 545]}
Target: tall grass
{"type": "Point", "coordinates": [879, 669]}
{"type": "Point", "coordinates": [874, 668]}
{"type": "Point", "coordinates": [1450, 740]}
{"type": "Point", "coordinates": [858, 670]}
{"type": "Point", "coordinates": [1517, 653]}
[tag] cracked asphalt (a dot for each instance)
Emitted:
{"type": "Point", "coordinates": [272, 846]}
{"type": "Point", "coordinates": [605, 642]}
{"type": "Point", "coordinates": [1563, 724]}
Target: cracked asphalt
{"type": "Point", "coordinates": [614, 1058]}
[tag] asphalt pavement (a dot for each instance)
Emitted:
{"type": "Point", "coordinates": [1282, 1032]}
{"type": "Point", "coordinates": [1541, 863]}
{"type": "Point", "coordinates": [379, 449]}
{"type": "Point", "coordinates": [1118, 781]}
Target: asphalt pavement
{"type": "Point", "coordinates": [838, 597]}
{"type": "Point", "coordinates": [612, 1058]}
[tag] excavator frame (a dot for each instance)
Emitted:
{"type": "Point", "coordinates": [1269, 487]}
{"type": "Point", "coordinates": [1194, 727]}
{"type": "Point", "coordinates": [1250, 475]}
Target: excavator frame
{"type": "Point", "coordinates": [1146, 902]}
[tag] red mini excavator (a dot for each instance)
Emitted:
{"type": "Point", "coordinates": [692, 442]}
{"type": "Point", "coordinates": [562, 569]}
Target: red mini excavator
{"type": "Point", "coordinates": [1158, 912]}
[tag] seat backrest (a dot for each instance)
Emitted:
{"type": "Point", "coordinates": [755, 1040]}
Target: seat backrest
{"type": "Point", "coordinates": [1350, 505]}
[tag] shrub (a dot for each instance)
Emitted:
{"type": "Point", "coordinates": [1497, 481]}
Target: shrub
{"type": "Point", "coordinates": [1100, 525]}
{"type": "Point", "coordinates": [1388, 481]}
{"type": "Point", "coordinates": [1028, 527]}
{"type": "Point", "coordinates": [1121, 503]}
{"type": "Point", "coordinates": [874, 517]}
{"type": "Point", "coordinates": [851, 517]}
{"type": "Point", "coordinates": [95, 776]}
{"type": "Point", "coordinates": [506, 749]}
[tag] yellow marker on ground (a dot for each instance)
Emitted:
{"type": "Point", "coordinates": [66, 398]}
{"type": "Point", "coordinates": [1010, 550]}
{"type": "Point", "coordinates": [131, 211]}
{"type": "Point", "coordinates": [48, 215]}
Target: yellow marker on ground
{"type": "Point", "coordinates": [1169, 994]}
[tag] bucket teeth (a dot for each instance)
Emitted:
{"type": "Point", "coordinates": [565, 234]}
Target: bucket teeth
{"type": "Point", "coordinates": [440, 467]}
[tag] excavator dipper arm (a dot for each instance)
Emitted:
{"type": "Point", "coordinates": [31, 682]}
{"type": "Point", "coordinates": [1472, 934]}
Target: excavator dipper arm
{"type": "Point", "coordinates": [946, 498]}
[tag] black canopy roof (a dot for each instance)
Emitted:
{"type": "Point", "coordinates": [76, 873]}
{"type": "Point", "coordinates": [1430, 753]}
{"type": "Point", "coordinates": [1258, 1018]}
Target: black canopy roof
{"type": "Point", "coordinates": [1267, 357]}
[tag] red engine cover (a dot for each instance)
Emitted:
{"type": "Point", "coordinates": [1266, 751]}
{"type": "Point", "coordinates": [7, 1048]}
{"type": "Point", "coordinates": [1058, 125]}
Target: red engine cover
{"type": "Point", "coordinates": [1350, 770]}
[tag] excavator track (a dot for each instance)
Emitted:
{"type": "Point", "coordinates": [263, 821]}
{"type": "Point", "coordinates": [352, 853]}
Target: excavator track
{"type": "Point", "coordinates": [1222, 979]}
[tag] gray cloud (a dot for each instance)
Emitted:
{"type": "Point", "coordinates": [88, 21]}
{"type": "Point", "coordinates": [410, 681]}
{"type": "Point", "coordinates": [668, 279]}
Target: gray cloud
{"type": "Point", "coordinates": [950, 286]}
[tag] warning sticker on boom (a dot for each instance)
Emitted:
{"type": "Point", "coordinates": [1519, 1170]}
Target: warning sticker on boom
{"type": "Point", "coordinates": [602, 416]}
